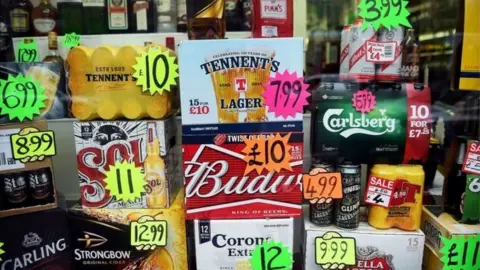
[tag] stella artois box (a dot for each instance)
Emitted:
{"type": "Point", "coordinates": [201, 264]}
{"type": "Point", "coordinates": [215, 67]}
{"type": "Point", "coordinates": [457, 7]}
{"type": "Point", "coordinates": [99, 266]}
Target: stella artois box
{"type": "Point", "coordinates": [228, 244]}
{"type": "Point", "coordinates": [390, 249]}
{"type": "Point", "coordinates": [216, 186]}
{"type": "Point", "coordinates": [150, 145]}
{"type": "Point", "coordinates": [223, 83]}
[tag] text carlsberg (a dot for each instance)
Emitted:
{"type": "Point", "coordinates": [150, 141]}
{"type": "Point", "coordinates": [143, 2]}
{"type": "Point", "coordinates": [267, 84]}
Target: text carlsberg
{"type": "Point", "coordinates": [350, 125]}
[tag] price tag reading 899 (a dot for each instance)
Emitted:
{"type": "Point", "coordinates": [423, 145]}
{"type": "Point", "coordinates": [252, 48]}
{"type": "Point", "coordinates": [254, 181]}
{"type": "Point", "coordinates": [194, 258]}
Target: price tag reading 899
{"type": "Point", "coordinates": [38, 143]}
{"type": "Point", "coordinates": [332, 248]}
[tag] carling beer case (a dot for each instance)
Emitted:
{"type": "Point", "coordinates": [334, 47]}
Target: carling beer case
{"type": "Point", "coordinates": [228, 244]}
{"type": "Point", "coordinates": [36, 241]}
{"type": "Point", "coordinates": [223, 82]}
{"type": "Point", "coordinates": [396, 130]}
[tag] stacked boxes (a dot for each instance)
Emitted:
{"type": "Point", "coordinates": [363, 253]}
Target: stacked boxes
{"type": "Point", "coordinates": [222, 103]}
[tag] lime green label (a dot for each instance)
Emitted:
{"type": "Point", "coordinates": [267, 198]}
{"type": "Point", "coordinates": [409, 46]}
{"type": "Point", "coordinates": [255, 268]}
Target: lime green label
{"type": "Point", "coordinates": [27, 52]}
{"type": "Point", "coordinates": [389, 13]}
{"type": "Point", "coordinates": [461, 252]}
{"type": "Point", "coordinates": [71, 40]}
{"type": "Point", "coordinates": [270, 256]}
{"type": "Point", "coordinates": [125, 181]}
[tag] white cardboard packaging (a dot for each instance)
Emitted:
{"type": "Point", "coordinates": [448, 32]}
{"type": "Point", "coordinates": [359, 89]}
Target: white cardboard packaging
{"type": "Point", "coordinates": [390, 249]}
{"type": "Point", "coordinates": [228, 244]}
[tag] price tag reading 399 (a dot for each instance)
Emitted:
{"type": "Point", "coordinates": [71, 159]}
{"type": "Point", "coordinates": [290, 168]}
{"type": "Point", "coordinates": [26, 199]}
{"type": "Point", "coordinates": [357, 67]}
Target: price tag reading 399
{"type": "Point", "coordinates": [41, 143]}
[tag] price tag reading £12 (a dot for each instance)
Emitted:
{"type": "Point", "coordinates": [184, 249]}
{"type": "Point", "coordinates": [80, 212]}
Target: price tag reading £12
{"type": "Point", "coordinates": [148, 232]}
{"type": "Point", "coordinates": [324, 185]}
{"type": "Point", "coordinates": [32, 145]}
{"type": "Point", "coordinates": [332, 248]}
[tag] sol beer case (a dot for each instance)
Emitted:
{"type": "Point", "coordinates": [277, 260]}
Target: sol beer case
{"type": "Point", "coordinates": [50, 77]}
{"type": "Point", "coordinates": [102, 85]}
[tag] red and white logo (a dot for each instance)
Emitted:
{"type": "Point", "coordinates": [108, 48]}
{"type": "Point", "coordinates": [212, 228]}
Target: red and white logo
{"type": "Point", "coordinates": [370, 258]}
{"type": "Point", "coordinates": [241, 84]}
{"type": "Point", "coordinates": [216, 187]}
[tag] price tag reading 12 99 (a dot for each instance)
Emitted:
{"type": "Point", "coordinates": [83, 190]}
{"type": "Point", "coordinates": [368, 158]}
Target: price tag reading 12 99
{"type": "Point", "coordinates": [39, 143]}
{"type": "Point", "coordinates": [332, 248]}
{"type": "Point", "coordinates": [150, 232]}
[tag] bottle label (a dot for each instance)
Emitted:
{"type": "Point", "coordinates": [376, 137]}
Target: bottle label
{"type": "Point", "coordinates": [140, 10]}
{"type": "Point", "coordinates": [19, 19]}
{"type": "Point", "coordinates": [276, 9]}
{"type": "Point", "coordinates": [4, 37]}
{"type": "Point", "coordinates": [117, 15]}
{"type": "Point", "coordinates": [93, 3]}
{"type": "Point", "coordinates": [44, 25]}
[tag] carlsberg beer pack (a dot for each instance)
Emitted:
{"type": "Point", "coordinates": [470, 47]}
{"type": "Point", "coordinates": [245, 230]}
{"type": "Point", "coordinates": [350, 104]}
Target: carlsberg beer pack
{"type": "Point", "coordinates": [394, 129]}
{"type": "Point", "coordinates": [228, 244]}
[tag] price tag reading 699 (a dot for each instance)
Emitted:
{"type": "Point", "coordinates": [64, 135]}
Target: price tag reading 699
{"type": "Point", "coordinates": [21, 98]}
{"type": "Point", "coordinates": [41, 143]}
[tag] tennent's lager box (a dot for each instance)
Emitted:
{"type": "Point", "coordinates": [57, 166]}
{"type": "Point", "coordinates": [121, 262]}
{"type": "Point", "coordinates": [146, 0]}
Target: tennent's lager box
{"type": "Point", "coordinates": [390, 249]}
{"type": "Point", "coordinates": [216, 186]}
{"type": "Point", "coordinates": [228, 244]}
{"type": "Point", "coordinates": [223, 82]}
{"type": "Point", "coordinates": [35, 241]}
{"type": "Point", "coordinates": [101, 238]}
{"type": "Point", "coordinates": [150, 145]}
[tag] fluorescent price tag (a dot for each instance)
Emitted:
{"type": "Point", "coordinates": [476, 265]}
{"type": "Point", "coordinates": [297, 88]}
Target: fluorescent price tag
{"type": "Point", "coordinates": [125, 181]}
{"type": "Point", "coordinates": [32, 144]}
{"type": "Point", "coordinates": [27, 51]}
{"type": "Point", "coordinates": [271, 256]}
{"type": "Point", "coordinates": [71, 40]}
{"type": "Point", "coordinates": [461, 252]}
{"type": "Point", "coordinates": [150, 232]}
{"type": "Point", "coordinates": [333, 248]}
{"type": "Point", "coordinates": [389, 13]}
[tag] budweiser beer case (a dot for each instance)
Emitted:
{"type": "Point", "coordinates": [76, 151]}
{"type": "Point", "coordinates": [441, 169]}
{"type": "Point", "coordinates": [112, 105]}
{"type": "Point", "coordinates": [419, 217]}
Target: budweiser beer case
{"type": "Point", "coordinates": [228, 244]}
{"type": "Point", "coordinates": [101, 238]}
{"type": "Point", "coordinates": [395, 130]}
{"type": "Point", "coordinates": [150, 145]}
{"type": "Point", "coordinates": [375, 249]}
{"type": "Point", "coordinates": [223, 83]}
{"type": "Point", "coordinates": [35, 241]}
{"type": "Point", "coordinates": [216, 187]}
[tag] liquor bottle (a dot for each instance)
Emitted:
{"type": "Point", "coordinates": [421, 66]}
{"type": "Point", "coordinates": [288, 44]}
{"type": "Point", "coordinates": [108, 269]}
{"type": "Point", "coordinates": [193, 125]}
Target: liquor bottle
{"type": "Point", "coordinates": [94, 17]}
{"type": "Point", "coordinates": [144, 16]}
{"type": "Point", "coordinates": [118, 16]}
{"type": "Point", "coordinates": [410, 68]}
{"type": "Point", "coordinates": [157, 189]}
{"type": "Point", "coordinates": [6, 48]}
{"type": "Point", "coordinates": [20, 18]}
{"type": "Point", "coordinates": [454, 188]}
{"type": "Point", "coordinates": [206, 19]}
{"type": "Point", "coordinates": [181, 16]}
{"type": "Point", "coordinates": [53, 55]}
{"type": "Point", "coordinates": [167, 16]}
{"type": "Point", "coordinates": [44, 18]}
{"type": "Point", "coordinates": [70, 16]}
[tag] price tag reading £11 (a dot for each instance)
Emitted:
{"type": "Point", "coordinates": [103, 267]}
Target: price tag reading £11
{"type": "Point", "coordinates": [334, 249]}
{"type": "Point", "coordinates": [148, 233]}
{"type": "Point", "coordinates": [125, 181]}
{"type": "Point", "coordinates": [324, 185]}
{"type": "Point", "coordinates": [461, 252]}
{"type": "Point", "coordinates": [30, 145]}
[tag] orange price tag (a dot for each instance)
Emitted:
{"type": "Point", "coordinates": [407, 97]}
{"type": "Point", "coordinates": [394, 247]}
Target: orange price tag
{"type": "Point", "coordinates": [270, 152]}
{"type": "Point", "coordinates": [323, 185]}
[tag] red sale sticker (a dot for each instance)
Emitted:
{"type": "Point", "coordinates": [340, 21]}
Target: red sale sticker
{"type": "Point", "coordinates": [363, 101]}
{"type": "Point", "coordinates": [471, 163]}
{"type": "Point", "coordinates": [286, 94]}
{"type": "Point", "coordinates": [381, 52]}
{"type": "Point", "coordinates": [379, 191]}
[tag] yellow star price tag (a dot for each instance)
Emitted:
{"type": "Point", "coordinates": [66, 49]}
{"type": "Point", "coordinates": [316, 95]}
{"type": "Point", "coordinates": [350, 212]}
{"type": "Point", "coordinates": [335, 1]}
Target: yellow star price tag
{"type": "Point", "coordinates": [125, 181]}
{"type": "Point", "coordinates": [156, 71]}
{"type": "Point", "coordinates": [31, 145]}
{"type": "Point", "coordinates": [1, 250]}
{"type": "Point", "coordinates": [333, 251]}
{"type": "Point", "coordinates": [148, 233]}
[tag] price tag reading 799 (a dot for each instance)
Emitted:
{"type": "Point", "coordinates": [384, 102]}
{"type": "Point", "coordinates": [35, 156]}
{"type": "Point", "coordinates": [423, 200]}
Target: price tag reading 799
{"type": "Point", "coordinates": [324, 185]}
{"type": "Point", "coordinates": [40, 143]}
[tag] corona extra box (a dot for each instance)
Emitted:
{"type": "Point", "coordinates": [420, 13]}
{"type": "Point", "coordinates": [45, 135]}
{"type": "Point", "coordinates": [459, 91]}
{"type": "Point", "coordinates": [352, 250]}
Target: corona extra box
{"type": "Point", "coordinates": [375, 249]}
{"type": "Point", "coordinates": [101, 238]}
{"type": "Point", "coordinates": [35, 241]}
{"type": "Point", "coordinates": [150, 145]}
{"type": "Point", "coordinates": [223, 83]}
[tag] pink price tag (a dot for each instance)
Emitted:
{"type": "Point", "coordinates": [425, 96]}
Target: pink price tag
{"type": "Point", "coordinates": [364, 101]}
{"type": "Point", "coordinates": [286, 94]}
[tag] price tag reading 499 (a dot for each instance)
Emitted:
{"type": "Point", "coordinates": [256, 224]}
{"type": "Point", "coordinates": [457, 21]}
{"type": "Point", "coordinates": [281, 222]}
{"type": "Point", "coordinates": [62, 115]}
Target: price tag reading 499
{"type": "Point", "coordinates": [323, 185]}
{"type": "Point", "coordinates": [31, 143]}
{"type": "Point", "coordinates": [333, 251]}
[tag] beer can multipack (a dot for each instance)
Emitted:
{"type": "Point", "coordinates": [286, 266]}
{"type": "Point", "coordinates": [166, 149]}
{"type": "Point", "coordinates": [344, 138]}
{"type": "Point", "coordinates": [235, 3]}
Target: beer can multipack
{"type": "Point", "coordinates": [150, 145]}
{"type": "Point", "coordinates": [375, 249]}
{"type": "Point", "coordinates": [228, 244]}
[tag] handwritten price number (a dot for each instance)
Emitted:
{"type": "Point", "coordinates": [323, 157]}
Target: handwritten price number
{"type": "Point", "coordinates": [334, 247]}
{"type": "Point", "coordinates": [463, 264]}
{"type": "Point", "coordinates": [267, 264]}
{"type": "Point", "coordinates": [364, 100]}
{"type": "Point", "coordinates": [287, 89]}
{"type": "Point", "coordinates": [35, 143]}
{"type": "Point", "coordinates": [149, 232]}
{"type": "Point", "coordinates": [15, 95]}
{"type": "Point", "coordinates": [153, 73]}
{"type": "Point", "coordinates": [270, 153]}
{"type": "Point", "coordinates": [72, 39]}
{"type": "Point", "coordinates": [27, 55]}
{"type": "Point", "coordinates": [420, 114]}
{"type": "Point", "coordinates": [475, 186]}
{"type": "Point", "coordinates": [129, 179]}
{"type": "Point", "coordinates": [386, 5]}
{"type": "Point", "coordinates": [335, 250]}
{"type": "Point", "coordinates": [197, 107]}
{"type": "Point", "coordinates": [327, 184]}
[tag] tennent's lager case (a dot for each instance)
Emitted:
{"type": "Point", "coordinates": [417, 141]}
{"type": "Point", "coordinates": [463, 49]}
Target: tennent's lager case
{"type": "Point", "coordinates": [228, 244]}
{"type": "Point", "coordinates": [150, 145]}
{"type": "Point", "coordinates": [223, 80]}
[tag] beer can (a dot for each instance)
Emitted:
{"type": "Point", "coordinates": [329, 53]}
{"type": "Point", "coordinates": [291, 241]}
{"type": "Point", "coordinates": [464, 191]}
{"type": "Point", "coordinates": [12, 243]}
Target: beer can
{"type": "Point", "coordinates": [321, 214]}
{"type": "Point", "coordinates": [40, 183]}
{"type": "Point", "coordinates": [359, 69]}
{"type": "Point", "coordinates": [347, 210]}
{"type": "Point", "coordinates": [16, 189]}
{"type": "Point", "coordinates": [344, 51]}
{"type": "Point", "coordinates": [390, 71]}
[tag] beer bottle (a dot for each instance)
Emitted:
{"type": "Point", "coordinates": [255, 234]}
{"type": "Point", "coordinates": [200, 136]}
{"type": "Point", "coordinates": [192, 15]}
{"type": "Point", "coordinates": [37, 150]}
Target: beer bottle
{"type": "Point", "coordinates": [454, 188]}
{"type": "Point", "coordinates": [410, 68]}
{"type": "Point", "coordinates": [15, 190]}
{"type": "Point", "coordinates": [157, 189]}
{"type": "Point", "coordinates": [41, 188]}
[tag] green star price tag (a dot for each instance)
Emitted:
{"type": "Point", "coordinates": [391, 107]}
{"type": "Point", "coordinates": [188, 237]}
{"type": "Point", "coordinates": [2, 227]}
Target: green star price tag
{"type": "Point", "coordinates": [389, 13]}
{"type": "Point", "coordinates": [1, 251]}
{"type": "Point", "coordinates": [30, 145]}
{"type": "Point", "coordinates": [271, 255]}
{"type": "Point", "coordinates": [21, 97]}
{"type": "Point", "coordinates": [333, 251]}
{"type": "Point", "coordinates": [71, 40]}
{"type": "Point", "coordinates": [156, 71]}
{"type": "Point", "coordinates": [148, 232]}
{"type": "Point", "coordinates": [461, 252]}
{"type": "Point", "coordinates": [125, 181]}
{"type": "Point", "coordinates": [27, 51]}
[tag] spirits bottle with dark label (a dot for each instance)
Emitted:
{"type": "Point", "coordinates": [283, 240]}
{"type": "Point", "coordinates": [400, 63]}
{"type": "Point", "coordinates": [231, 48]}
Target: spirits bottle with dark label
{"type": "Point", "coordinates": [6, 48]}
{"type": "Point", "coordinates": [44, 18]}
{"type": "Point", "coordinates": [20, 12]}
{"type": "Point", "coordinates": [118, 16]}
{"type": "Point", "coordinates": [95, 17]}
{"type": "Point", "coordinates": [70, 16]}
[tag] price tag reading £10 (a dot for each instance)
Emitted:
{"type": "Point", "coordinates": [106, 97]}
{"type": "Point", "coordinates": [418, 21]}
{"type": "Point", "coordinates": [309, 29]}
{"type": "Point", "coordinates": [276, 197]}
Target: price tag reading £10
{"type": "Point", "coordinates": [332, 248]}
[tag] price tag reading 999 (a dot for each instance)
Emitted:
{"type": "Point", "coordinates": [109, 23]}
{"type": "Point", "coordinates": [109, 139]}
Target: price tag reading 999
{"type": "Point", "coordinates": [332, 248]}
{"type": "Point", "coordinates": [39, 143]}
{"type": "Point", "coordinates": [149, 232]}
{"type": "Point", "coordinates": [324, 185]}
